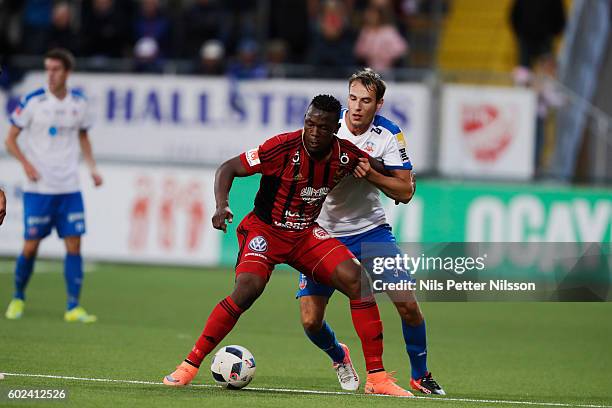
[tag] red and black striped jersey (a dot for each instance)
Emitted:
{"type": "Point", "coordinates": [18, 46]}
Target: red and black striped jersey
{"type": "Point", "coordinates": [293, 184]}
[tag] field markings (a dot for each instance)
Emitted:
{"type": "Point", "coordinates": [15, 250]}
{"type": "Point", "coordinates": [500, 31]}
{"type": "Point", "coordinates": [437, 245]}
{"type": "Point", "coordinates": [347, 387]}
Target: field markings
{"type": "Point", "coordinates": [299, 391]}
{"type": "Point", "coordinates": [8, 267]}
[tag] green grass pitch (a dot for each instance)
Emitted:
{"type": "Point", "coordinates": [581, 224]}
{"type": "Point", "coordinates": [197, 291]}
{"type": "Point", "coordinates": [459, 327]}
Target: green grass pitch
{"type": "Point", "coordinates": [149, 318]}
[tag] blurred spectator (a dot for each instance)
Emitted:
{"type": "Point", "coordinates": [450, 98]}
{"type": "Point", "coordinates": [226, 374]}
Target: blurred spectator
{"type": "Point", "coordinates": [9, 40]}
{"type": "Point", "coordinates": [379, 45]}
{"type": "Point", "coordinates": [105, 29]}
{"type": "Point", "coordinates": [152, 24]}
{"type": "Point", "coordinates": [36, 26]}
{"type": "Point", "coordinates": [536, 24]}
{"type": "Point", "coordinates": [332, 41]}
{"type": "Point", "coordinates": [549, 98]}
{"type": "Point", "coordinates": [212, 54]}
{"type": "Point", "coordinates": [202, 21]}
{"type": "Point", "coordinates": [289, 22]}
{"type": "Point", "coordinates": [242, 22]}
{"type": "Point", "coordinates": [62, 35]}
{"type": "Point", "coordinates": [247, 64]}
{"type": "Point", "coordinates": [147, 58]}
{"type": "Point", "coordinates": [276, 58]}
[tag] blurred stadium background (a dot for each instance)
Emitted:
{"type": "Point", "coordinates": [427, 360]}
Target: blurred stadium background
{"type": "Point", "coordinates": [507, 111]}
{"type": "Point", "coordinates": [505, 105]}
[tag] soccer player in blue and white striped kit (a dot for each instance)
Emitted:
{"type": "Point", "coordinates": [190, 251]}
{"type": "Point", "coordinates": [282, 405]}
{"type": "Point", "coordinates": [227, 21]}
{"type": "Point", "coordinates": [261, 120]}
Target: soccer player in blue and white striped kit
{"type": "Point", "coordinates": [353, 213]}
{"type": "Point", "coordinates": [53, 123]}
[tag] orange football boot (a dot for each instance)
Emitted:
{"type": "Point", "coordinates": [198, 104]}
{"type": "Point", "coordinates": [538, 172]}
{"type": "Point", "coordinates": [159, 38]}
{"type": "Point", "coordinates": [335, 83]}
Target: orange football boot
{"type": "Point", "coordinates": [182, 376]}
{"type": "Point", "coordinates": [384, 383]}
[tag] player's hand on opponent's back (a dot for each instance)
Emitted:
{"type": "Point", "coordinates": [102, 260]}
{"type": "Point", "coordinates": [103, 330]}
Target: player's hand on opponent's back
{"type": "Point", "coordinates": [363, 168]}
{"type": "Point", "coordinates": [222, 214]}
{"type": "Point", "coordinates": [2, 206]}
{"type": "Point", "coordinates": [97, 178]}
{"type": "Point", "coordinates": [31, 171]}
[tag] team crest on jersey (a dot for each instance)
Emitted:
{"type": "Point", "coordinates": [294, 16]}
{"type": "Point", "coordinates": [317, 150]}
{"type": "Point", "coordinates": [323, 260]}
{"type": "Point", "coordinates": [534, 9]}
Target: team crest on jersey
{"type": "Point", "coordinates": [320, 233]}
{"type": "Point", "coordinates": [369, 147]}
{"type": "Point", "coordinates": [258, 244]}
{"type": "Point", "coordinates": [312, 195]}
{"type": "Point", "coordinates": [303, 282]}
{"type": "Point", "coordinates": [252, 157]}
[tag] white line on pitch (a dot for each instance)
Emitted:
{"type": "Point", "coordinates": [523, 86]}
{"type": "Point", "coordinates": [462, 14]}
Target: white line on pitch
{"type": "Point", "coordinates": [287, 390]}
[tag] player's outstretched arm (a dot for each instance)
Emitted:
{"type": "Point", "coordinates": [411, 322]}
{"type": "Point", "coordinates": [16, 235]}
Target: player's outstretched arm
{"type": "Point", "coordinates": [89, 158]}
{"type": "Point", "coordinates": [2, 206]}
{"type": "Point", "coordinates": [13, 148]}
{"type": "Point", "coordinates": [224, 177]}
{"type": "Point", "coordinates": [399, 185]}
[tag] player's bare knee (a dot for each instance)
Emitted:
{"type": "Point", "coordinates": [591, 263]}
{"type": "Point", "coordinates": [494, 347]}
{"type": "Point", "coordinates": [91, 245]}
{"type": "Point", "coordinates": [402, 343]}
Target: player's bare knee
{"type": "Point", "coordinates": [247, 289]}
{"type": "Point", "coordinates": [30, 249]}
{"type": "Point", "coordinates": [312, 319]}
{"type": "Point", "coordinates": [73, 245]}
{"type": "Point", "coordinates": [348, 277]}
{"type": "Point", "coordinates": [312, 323]}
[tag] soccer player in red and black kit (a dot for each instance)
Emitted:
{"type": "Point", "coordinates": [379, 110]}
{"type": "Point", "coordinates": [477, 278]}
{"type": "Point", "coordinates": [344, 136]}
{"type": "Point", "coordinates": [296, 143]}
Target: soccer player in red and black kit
{"type": "Point", "coordinates": [298, 170]}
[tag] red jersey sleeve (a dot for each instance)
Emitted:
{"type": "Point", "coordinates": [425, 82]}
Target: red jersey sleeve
{"type": "Point", "coordinates": [261, 159]}
{"type": "Point", "coordinates": [352, 152]}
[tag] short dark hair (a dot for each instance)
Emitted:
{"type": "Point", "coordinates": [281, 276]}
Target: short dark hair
{"type": "Point", "coordinates": [62, 55]}
{"type": "Point", "coordinates": [371, 80]}
{"type": "Point", "coordinates": [327, 103]}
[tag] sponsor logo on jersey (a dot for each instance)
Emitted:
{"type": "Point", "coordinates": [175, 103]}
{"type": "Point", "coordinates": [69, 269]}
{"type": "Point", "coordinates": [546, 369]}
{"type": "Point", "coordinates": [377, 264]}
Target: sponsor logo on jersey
{"type": "Point", "coordinates": [295, 216]}
{"type": "Point", "coordinates": [255, 254]}
{"type": "Point", "coordinates": [258, 244]}
{"type": "Point", "coordinates": [403, 154]}
{"type": "Point", "coordinates": [401, 142]}
{"type": "Point", "coordinates": [344, 159]}
{"type": "Point", "coordinates": [252, 157]}
{"type": "Point", "coordinates": [296, 157]}
{"type": "Point", "coordinates": [312, 195]}
{"type": "Point", "coordinates": [293, 225]}
{"type": "Point", "coordinates": [320, 233]}
{"type": "Point", "coordinates": [72, 217]}
{"type": "Point", "coordinates": [488, 129]}
{"type": "Point", "coordinates": [34, 220]}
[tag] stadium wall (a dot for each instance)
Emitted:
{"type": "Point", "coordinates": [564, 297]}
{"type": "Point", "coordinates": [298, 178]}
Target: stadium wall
{"type": "Point", "coordinates": [153, 214]}
{"type": "Point", "coordinates": [485, 131]}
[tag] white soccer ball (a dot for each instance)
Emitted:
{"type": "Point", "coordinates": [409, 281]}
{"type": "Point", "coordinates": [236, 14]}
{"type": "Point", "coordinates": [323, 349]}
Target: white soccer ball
{"type": "Point", "coordinates": [233, 367]}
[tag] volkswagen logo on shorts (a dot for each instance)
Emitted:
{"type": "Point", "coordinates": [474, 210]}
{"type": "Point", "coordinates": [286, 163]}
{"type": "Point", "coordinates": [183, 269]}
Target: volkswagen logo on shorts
{"type": "Point", "coordinates": [258, 244]}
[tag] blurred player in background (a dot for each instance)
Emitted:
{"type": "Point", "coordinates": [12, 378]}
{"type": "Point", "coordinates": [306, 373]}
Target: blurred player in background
{"type": "Point", "coordinates": [298, 171]}
{"type": "Point", "coordinates": [2, 206]}
{"type": "Point", "coordinates": [353, 213]}
{"type": "Point", "coordinates": [54, 122]}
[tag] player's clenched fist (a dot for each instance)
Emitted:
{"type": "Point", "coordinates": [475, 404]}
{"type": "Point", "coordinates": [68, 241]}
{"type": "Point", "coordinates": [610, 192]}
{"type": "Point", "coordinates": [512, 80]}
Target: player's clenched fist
{"type": "Point", "coordinates": [97, 178]}
{"type": "Point", "coordinates": [222, 214]}
{"type": "Point", "coordinates": [362, 169]}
